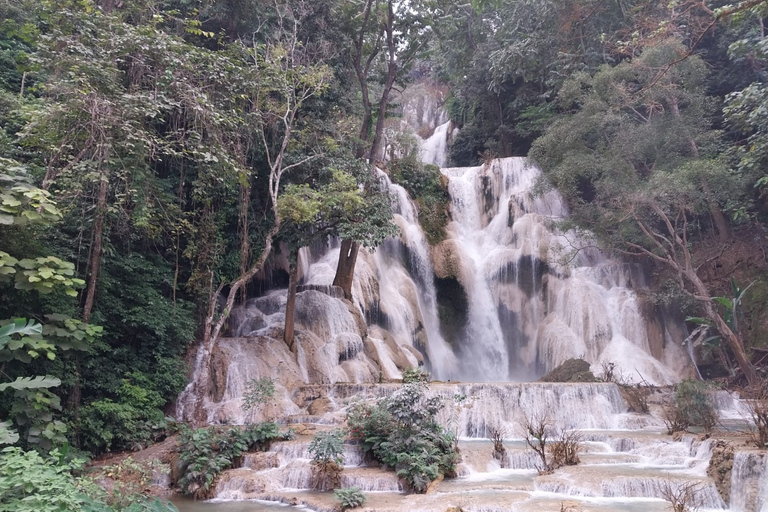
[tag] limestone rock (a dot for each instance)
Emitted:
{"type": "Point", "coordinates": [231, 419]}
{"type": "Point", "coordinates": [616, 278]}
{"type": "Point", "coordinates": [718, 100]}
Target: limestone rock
{"type": "Point", "coordinates": [446, 259]}
{"type": "Point", "coordinates": [320, 407]}
{"type": "Point", "coordinates": [303, 429]}
{"type": "Point", "coordinates": [261, 461]}
{"type": "Point", "coordinates": [573, 370]}
{"type": "Point", "coordinates": [720, 466]}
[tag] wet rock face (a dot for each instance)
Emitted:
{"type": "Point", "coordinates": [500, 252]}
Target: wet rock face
{"type": "Point", "coordinates": [720, 467]}
{"type": "Point", "coordinates": [573, 370]}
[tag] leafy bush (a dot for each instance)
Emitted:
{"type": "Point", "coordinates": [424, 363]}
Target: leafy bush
{"type": "Point", "coordinates": [32, 483]}
{"type": "Point", "coordinates": [259, 393]}
{"type": "Point", "coordinates": [352, 497]}
{"type": "Point", "coordinates": [402, 433]}
{"type": "Point", "coordinates": [411, 375]}
{"type": "Point", "coordinates": [327, 449]}
{"type": "Point", "coordinates": [131, 480]}
{"type": "Point", "coordinates": [693, 405]}
{"type": "Point", "coordinates": [205, 452]}
{"type": "Point", "coordinates": [133, 422]}
{"type": "Point", "coordinates": [426, 186]}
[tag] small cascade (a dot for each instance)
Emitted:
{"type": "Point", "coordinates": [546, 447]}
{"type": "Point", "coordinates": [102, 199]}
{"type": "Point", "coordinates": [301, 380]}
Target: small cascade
{"type": "Point", "coordinates": [749, 482]}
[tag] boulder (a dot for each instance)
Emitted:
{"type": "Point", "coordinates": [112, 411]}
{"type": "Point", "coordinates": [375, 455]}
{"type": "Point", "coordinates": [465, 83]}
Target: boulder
{"type": "Point", "coordinates": [573, 370]}
{"type": "Point", "coordinates": [320, 406]}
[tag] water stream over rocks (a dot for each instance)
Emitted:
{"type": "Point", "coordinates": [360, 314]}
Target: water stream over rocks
{"type": "Point", "coordinates": [503, 299]}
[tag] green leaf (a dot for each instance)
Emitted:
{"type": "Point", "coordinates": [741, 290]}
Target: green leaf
{"type": "Point", "coordinates": [38, 382]}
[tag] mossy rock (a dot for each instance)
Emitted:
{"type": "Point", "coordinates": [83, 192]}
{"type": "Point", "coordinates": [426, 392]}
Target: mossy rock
{"type": "Point", "coordinates": [573, 370]}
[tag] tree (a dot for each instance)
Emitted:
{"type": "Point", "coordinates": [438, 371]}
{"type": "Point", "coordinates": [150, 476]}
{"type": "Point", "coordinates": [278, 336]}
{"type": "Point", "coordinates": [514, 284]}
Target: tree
{"type": "Point", "coordinates": [636, 159]}
{"type": "Point", "coordinates": [393, 32]}
{"type": "Point", "coordinates": [24, 340]}
{"type": "Point", "coordinates": [288, 78]}
{"type": "Point", "coordinates": [341, 207]}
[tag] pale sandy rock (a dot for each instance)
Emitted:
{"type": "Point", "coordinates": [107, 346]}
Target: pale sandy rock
{"type": "Point", "coordinates": [320, 407]}
{"type": "Point", "coordinates": [446, 258]}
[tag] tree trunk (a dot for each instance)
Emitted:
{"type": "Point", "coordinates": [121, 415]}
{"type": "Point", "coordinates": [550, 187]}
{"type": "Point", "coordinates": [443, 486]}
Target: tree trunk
{"type": "Point", "coordinates": [731, 338]}
{"type": "Point", "coordinates": [345, 270]}
{"type": "Point", "coordinates": [723, 229]}
{"type": "Point", "coordinates": [245, 246]}
{"type": "Point", "coordinates": [290, 306]}
{"type": "Point", "coordinates": [392, 67]}
{"type": "Point", "coordinates": [98, 235]}
{"type": "Point", "coordinates": [735, 344]}
{"type": "Point", "coordinates": [214, 324]}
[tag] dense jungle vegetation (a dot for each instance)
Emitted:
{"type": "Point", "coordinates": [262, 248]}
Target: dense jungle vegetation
{"type": "Point", "coordinates": [154, 152]}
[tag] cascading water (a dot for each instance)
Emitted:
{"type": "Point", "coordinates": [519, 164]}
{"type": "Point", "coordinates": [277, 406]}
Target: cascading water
{"type": "Point", "coordinates": [529, 309]}
{"type": "Point", "coordinates": [530, 303]}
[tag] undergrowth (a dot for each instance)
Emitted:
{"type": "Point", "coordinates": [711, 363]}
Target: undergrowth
{"type": "Point", "coordinates": [402, 433]}
{"type": "Point", "coordinates": [205, 452]}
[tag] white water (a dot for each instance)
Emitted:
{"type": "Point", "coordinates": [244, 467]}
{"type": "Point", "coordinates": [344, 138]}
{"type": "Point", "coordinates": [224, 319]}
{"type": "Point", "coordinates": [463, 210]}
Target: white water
{"type": "Point", "coordinates": [620, 470]}
{"type": "Point", "coordinates": [528, 311]}
{"type": "Point", "coordinates": [538, 297]}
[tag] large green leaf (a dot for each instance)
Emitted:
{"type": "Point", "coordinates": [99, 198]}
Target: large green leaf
{"type": "Point", "coordinates": [7, 436]}
{"type": "Point", "coordinates": [32, 383]}
{"type": "Point", "coordinates": [20, 326]}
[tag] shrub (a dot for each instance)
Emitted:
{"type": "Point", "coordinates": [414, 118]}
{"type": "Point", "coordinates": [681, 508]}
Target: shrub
{"type": "Point", "coordinates": [349, 498]}
{"type": "Point", "coordinates": [411, 375]}
{"type": "Point", "coordinates": [205, 452]}
{"type": "Point", "coordinates": [758, 411]}
{"type": "Point", "coordinates": [564, 450]}
{"type": "Point", "coordinates": [132, 422]}
{"type": "Point", "coordinates": [327, 449]}
{"type": "Point", "coordinates": [32, 483]}
{"type": "Point", "coordinates": [402, 433]}
{"type": "Point", "coordinates": [131, 479]}
{"type": "Point", "coordinates": [426, 186]}
{"type": "Point", "coordinates": [537, 431]}
{"type": "Point", "coordinates": [259, 393]}
{"type": "Point", "coordinates": [682, 497]}
{"type": "Point", "coordinates": [693, 406]}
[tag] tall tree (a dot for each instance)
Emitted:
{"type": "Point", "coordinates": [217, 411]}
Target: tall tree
{"type": "Point", "coordinates": [386, 37]}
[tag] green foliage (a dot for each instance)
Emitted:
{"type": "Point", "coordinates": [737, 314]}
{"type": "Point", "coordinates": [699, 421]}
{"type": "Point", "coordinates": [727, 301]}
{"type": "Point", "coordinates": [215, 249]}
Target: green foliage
{"type": "Point", "coordinates": [33, 411]}
{"type": "Point", "coordinates": [415, 375]}
{"type": "Point", "coordinates": [20, 201]}
{"type": "Point", "coordinates": [258, 393]}
{"type": "Point", "coordinates": [327, 447]}
{"type": "Point", "coordinates": [327, 450]}
{"type": "Point", "coordinates": [426, 185]}
{"type": "Point", "coordinates": [131, 480]}
{"type": "Point", "coordinates": [205, 452]}
{"type": "Point", "coordinates": [20, 339]}
{"type": "Point", "coordinates": [693, 405]}
{"type": "Point", "coordinates": [401, 432]}
{"type": "Point", "coordinates": [133, 421]}
{"type": "Point", "coordinates": [351, 497]}
{"type": "Point", "coordinates": [29, 482]}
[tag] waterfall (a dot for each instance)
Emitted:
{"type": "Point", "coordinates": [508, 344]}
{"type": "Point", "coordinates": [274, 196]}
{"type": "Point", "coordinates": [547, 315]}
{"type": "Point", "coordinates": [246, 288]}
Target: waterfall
{"type": "Point", "coordinates": [538, 296]}
{"type": "Point", "coordinates": [531, 301]}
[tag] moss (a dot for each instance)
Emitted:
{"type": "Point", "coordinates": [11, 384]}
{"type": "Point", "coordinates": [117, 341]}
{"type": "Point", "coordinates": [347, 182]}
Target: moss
{"type": "Point", "coordinates": [425, 184]}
